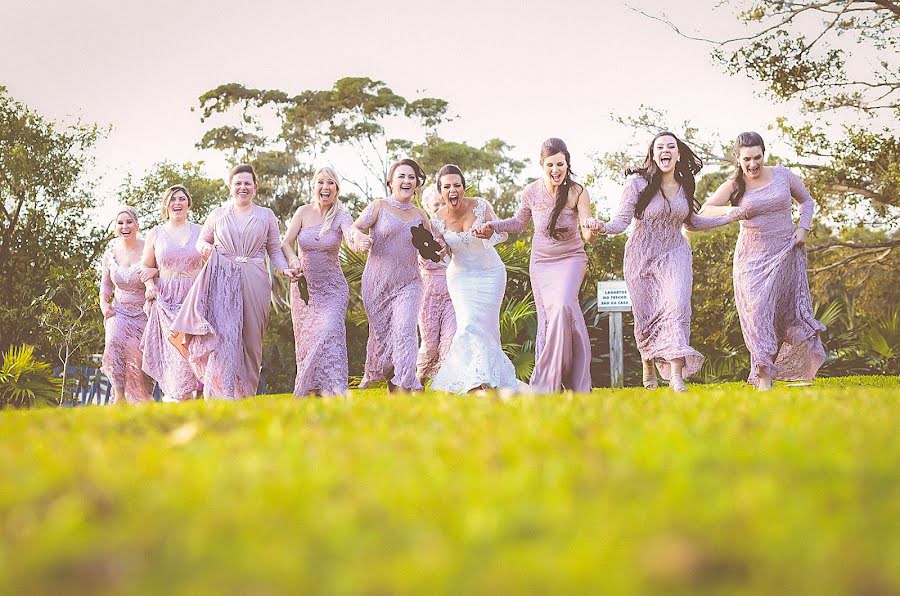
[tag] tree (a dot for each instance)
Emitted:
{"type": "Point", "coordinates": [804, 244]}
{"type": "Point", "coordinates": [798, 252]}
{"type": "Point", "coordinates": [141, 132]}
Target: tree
{"type": "Point", "coordinates": [67, 311]}
{"type": "Point", "coordinates": [801, 53]}
{"type": "Point", "coordinates": [44, 209]}
{"type": "Point", "coordinates": [284, 135]}
{"type": "Point", "coordinates": [145, 194]}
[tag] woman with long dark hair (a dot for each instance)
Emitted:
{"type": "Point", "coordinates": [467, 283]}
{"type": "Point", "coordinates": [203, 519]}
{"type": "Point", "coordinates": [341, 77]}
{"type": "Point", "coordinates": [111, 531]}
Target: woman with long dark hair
{"type": "Point", "coordinates": [391, 283]}
{"type": "Point", "coordinates": [560, 207]}
{"type": "Point", "coordinates": [771, 289]}
{"type": "Point", "coordinates": [659, 200]}
{"type": "Point", "coordinates": [476, 280]}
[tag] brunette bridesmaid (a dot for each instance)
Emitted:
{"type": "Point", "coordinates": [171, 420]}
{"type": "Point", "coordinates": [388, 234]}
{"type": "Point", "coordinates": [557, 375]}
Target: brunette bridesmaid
{"type": "Point", "coordinates": [659, 200]}
{"type": "Point", "coordinates": [771, 289]}
{"type": "Point", "coordinates": [391, 284]}
{"type": "Point", "coordinates": [226, 311]}
{"type": "Point", "coordinates": [559, 206]}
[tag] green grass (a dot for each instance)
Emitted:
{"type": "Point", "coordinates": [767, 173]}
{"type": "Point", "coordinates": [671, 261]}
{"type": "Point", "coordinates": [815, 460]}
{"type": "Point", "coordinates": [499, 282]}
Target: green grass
{"type": "Point", "coordinates": [722, 490]}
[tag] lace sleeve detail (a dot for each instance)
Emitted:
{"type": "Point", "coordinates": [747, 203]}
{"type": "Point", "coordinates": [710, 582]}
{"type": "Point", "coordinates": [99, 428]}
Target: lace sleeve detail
{"type": "Point", "coordinates": [273, 243]}
{"type": "Point", "coordinates": [517, 222]}
{"type": "Point", "coordinates": [106, 283]}
{"type": "Point", "coordinates": [803, 198]}
{"type": "Point", "coordinates": [623, 218]}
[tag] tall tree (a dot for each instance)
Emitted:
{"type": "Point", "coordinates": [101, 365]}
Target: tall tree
{"type": "Point", "coordinates": [284, 135]}
{"type": "Point", "coordinates": [44, 213]}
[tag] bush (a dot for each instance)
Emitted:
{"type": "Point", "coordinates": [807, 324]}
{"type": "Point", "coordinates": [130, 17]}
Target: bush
{"type": "Point", "coordinates": [25, 381]}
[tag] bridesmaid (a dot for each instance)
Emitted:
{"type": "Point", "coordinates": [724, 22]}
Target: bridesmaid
{"type": "Point", "coordinates": [124, 318]}
{"type": "Point", "coordinates": [320, 333]}
{"type": "Point", "coordinates": [659, 200]}
{"type": "Point", "coordinates": [771, 289]}
{"type": "Point", "coordinates": [227, 308]}
{"type": "Point", "coordinates": [437, 319]}
{"type": "Point", "coordinates": [171, 249]}
{"type": "Point", "coordinates": [558, 262]}
{"type": "Point", "coordinates": [391, 284]}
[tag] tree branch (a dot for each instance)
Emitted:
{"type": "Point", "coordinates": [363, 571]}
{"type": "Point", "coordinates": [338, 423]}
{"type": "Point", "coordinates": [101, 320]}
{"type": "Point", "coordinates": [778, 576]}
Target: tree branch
{"type": "Point", "coordinates": [854, 245]}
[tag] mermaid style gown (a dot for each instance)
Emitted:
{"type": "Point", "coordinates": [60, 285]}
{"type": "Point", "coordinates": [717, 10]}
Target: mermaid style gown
{"type": "Point", "coordinates": [476, 280]}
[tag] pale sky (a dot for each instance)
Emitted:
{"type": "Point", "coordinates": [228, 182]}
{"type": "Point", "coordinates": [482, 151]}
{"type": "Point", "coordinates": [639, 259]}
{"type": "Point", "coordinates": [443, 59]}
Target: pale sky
{"type": "Point", "coordinates": [518, 70]}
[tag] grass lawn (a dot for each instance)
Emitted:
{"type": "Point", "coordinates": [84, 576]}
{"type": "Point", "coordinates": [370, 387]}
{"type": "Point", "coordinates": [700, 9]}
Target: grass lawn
{"type": "Point", "coordinates": [722, 490]}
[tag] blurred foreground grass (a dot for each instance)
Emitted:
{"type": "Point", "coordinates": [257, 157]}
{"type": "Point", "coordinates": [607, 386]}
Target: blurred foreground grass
{"type": "Point", "coordinates": [722, 490]}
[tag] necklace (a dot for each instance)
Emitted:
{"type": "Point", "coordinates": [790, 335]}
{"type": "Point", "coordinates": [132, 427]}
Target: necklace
{"type": "Point", "coordinates": [398, 204]}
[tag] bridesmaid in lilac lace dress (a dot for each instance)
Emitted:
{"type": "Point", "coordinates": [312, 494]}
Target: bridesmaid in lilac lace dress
{"type": "Point", "coordinates": [437, 319]}
{"type": "Point", "coordinates": [226, 311]}
{"type": "Point", "coordinates": [171, 250]}
{"type": "Point", "coordinates": [124, 318]}
{"type": "Point", "coordinates": [771, 289]}
{"type": "Point", "coordinates": [391, 284]}
{"type": "Point", "coordinates": [320, 334]}
{"type": "Point", "coordinates": [658, 257]}
{"type": "Point", "coordinates": [558, 205]}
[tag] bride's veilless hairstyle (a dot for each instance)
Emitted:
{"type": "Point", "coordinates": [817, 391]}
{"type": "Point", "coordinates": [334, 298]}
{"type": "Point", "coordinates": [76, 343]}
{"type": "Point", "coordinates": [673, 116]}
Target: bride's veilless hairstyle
{"type": "Point", "coordinates": [552, 146]}
{"type": "Point", "coordinates": [449, 169]}
{"type": "Point", "coordinates": [417, 169]}
{"type": "Point", "coordinates": [745, 139]}
{"type": "Point", "coordinates": [688, 166]}
{"type": "Point", "coordinates": [336, 206]}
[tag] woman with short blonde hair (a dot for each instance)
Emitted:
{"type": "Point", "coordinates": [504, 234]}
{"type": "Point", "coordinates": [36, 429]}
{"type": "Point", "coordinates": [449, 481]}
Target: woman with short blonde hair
{"type": "Point", "coordinates": [122, 305]}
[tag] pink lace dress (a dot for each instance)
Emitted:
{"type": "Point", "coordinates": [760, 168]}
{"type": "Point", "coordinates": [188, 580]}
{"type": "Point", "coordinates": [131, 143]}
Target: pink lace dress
{"type": "Point", "coordinates": [320, 333]}
{"type": "Point", "coordinates": [178, 268]}
{"type": "Point", "coordinates": [122, 357]}
{"type": "Point", "coordinates": [392, 296]}
{"type": "Point", "coordinates": [227, 309]}
{"type": "Point", "coordinates": [562, 347]}
{"type": "Point", "coordinates": [659, 275]}
{"type": "Point", "coordinates": [771, 289]}
{"type": "Point", "coordinates": [437, 320]}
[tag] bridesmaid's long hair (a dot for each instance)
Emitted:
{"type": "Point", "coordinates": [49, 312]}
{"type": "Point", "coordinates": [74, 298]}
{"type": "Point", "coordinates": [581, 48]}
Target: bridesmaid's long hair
{"type": "Point", "coordinates": [745, 139]}
{"type": "Point", "coordinates": [688, 166]}
{"type": "Point", "coordinates": [552, 146]}
{"type": "Point", "coordinates": [336, 206]}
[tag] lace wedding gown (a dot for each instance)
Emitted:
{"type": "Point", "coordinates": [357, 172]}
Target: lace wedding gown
{"type": "Point", "coordinates": [476, 280]}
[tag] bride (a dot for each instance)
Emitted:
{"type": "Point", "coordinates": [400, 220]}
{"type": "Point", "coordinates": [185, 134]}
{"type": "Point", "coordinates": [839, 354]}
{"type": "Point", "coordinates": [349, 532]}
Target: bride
{"type": "Point", "coordinates": [476, 280]}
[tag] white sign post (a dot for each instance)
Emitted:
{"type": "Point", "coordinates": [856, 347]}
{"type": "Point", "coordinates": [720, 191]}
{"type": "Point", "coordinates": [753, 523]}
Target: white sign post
{"type": "Point", "coordinates": [612, 297]}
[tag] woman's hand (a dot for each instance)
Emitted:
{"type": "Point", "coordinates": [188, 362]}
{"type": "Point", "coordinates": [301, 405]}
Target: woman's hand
{"type": "Point", "coordinates": [151, 292]}
{"type": "Point", "coordinates": [363, 241]}
{"type": "Point", "coordinates": [205, 250]}
{"type": "Point", "coordinates": [148, 273]}
{"type": "Point", "coordinates": [107, 309]}
{"type": "Point", "coordinates": [484, 231]}
{"type": "Point", "coordinates": [799, 237]}
{"type": "Point", "coordinates": [593, 224]}
{"type": "Point", "coordinates": [293, 274]}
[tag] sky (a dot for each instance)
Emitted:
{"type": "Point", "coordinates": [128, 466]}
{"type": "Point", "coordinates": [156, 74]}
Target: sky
{"type": "Point", "coordinates": [518, 70]}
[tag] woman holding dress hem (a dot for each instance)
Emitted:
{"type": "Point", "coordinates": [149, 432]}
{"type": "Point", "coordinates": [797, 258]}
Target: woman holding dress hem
{"type": "Point", "coordinates": [227, 308]}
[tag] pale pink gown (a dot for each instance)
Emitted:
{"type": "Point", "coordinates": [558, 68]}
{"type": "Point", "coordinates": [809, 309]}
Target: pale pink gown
{"type": "Point", "coordinates": [659, 275]}
{"type": "Point", "coordinates": [562, 347]}
{"type": "Point", "coordinates": [771, 289]}
{"type": "Point", "coordinates": [122, 357]}
{"type": "Point", "coordinates": [178, 267]}
{"type": "Point", "coordinates": [320, 332]}
{"type": "Point", "coordinates": [392, 296]}
{"type": "Point", "coordinates": [227, 308]}
{"type": "Point", "coordinates": [437, 319]}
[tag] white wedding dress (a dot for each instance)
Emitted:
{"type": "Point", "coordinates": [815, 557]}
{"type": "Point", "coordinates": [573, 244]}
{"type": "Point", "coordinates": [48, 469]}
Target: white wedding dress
{"type": "Point", "coordinates": [476, 281]}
